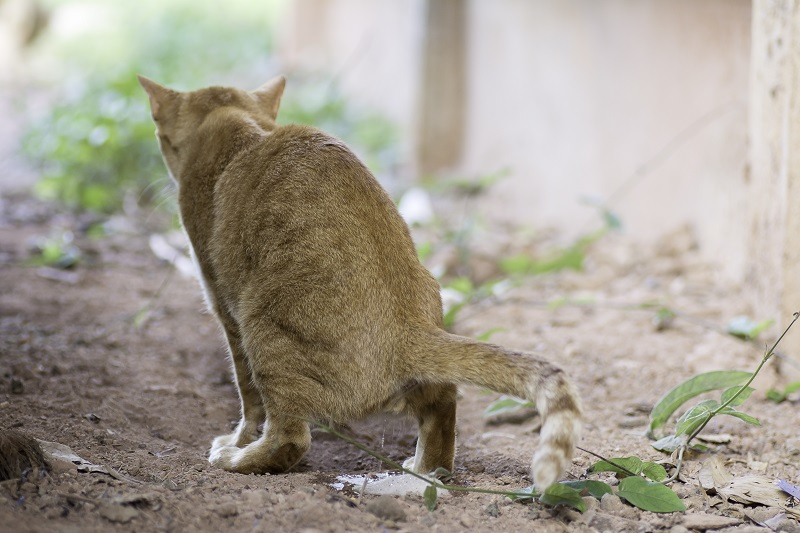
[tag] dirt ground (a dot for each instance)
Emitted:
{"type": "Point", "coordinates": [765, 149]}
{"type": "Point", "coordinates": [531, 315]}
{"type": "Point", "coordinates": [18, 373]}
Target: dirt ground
{"type": "Point", "coordinates": [117, 359]}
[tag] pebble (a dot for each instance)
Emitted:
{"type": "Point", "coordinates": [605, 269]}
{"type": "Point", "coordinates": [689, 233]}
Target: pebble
{"type": "Point", "coordinates": [611, 503]}
{"type": "Point", "coordinates": [492, 510]}
{"type": "Point", "coordinates": [226, 509]}
{"type": "Point", "coordinates": [117, 513]}
{"type": "Point", "coordinates": [29, 488]}
{"type": "Point", "coordinates": [386, 508]}
{"type": "Point", "coordinates": [591, 502]}
{"type": "Point", "coordinates": [684, 491]}
{"type": "Point", "coordinates": [17, 387]}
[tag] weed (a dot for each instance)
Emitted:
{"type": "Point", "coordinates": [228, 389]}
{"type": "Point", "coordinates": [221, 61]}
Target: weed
{"type": "Point", "coordinates": [735, 386]}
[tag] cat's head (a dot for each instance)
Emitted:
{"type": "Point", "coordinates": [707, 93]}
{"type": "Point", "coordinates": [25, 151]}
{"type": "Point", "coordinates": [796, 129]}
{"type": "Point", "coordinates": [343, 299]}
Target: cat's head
{"type": "Point", "coordinates": [179, 116]}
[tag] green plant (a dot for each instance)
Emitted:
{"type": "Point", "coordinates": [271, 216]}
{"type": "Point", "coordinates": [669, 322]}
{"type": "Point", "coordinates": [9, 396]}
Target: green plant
{"type": "Point", "coordinates": [507, 404]}
{"type": "Point", "coordinates": [57, 250]}
{"type": "Point", "coordinates": [640, 483]}
{"type": "Point", "coordinates": [778, 396]}
{"type": "Point", "coordinates": [96, 145]}
{"type": "Point", "coordinates": [735, 386]}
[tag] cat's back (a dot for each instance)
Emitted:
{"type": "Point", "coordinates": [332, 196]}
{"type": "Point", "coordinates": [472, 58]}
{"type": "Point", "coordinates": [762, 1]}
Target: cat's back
{"type": "Point", "coordinates": [298, 209]}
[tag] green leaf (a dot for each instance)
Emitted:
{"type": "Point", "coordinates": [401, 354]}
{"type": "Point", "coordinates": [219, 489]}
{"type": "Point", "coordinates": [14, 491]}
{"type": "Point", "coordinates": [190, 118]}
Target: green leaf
{"type": "Point", "coordinates": [430, 495]}
{"type": "Point", "coordinates": [743, 327]}
{"type": "Point", "coordinates": [654, 471]}
{"type": "Point", "coordinates": [611, 219]}
{"type": "Point", "coordinates": [740, 415]}
{"type": "Point", "coordinates": [526, 493]}
{"type": "Point", "coordinates": [486, 335]}
{"type": "Point", "coordinates": [560, 494]}
{"type": "Point", "coordinates": [569, 258]}
{"type": "Point", "coordinates": [633, 464]}
{"type": "Point", "coordinates": [424, 250]}
{"type": "Point", "coordinates": [774, 395]}
{"type": "Point", "coordinates": [593, 487]}
{"type": "Point", "coordinates": [668, 444]}
{"type": "Point", "coordinates": [695, 417]}
{"type": "Point", "coordinates": [442, 473]}
{"type": "Point", "coordinates": [506, 404]}
{"type": "Point", "coordinates": [732, 391]}
{"type": "Point", "coordinates": [708, 381]}
{"type": "Point", "coordinates": [777, 396]}
{"type": "Point", "coordinates": [449, 318]}
{"type": "Point", "coordinates": [649, 495]}
{"type": "Point", "coordinates": [463, 285]}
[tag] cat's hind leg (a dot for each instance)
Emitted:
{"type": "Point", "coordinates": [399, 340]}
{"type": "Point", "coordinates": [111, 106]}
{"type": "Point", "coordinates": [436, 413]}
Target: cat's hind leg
{"type": "Point", "coordinates": [434, 406]}
{"type": "Point", "coordinates": [252, 407]}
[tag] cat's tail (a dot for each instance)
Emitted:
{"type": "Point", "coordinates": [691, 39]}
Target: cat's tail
{"type": "Point", "coordinates": [450, 358]}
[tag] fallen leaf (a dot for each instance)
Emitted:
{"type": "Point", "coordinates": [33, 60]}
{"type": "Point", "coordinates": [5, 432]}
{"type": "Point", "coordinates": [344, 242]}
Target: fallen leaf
{"type": "Point", "coordinates": [703, 522]}
{"type": "Point", "coordinates": [713, 474]}
{"type": "Point", "coordinates": [715, 439]}
{"type": "Point", "coordinates": [59, 452]}
{"type": "Point", "coordinates": [758, 490]}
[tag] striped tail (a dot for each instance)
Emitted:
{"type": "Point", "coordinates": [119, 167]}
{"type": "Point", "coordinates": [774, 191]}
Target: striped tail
{"type": "Point", "coordinates": [447, 358]}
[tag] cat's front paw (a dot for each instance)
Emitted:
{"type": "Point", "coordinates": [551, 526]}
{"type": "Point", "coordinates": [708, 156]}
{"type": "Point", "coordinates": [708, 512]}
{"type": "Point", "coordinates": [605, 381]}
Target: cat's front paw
{"type": "Point", "coordinates": [223, 456]}
{"type": "Point", "coordinates": [224, 441]}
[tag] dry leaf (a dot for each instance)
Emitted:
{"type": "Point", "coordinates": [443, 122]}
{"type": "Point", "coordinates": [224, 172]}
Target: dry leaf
{"type": "Point", "coordinates": [713, 474]}
{"type": "Point", "coordinates": [62, 453]}
{"type": "Point", "coordinates": [715, 439]}
{"type": "Point", "coordinates": [759, 490]}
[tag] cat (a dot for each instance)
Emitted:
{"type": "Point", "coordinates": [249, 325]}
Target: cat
{"type": "Point", "coordinates": [327, 312]}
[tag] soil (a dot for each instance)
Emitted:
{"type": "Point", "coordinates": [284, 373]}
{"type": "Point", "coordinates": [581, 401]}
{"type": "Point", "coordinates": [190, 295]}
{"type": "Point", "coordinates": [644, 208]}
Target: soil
{"type": "Point", "coordinates": [117, 359]}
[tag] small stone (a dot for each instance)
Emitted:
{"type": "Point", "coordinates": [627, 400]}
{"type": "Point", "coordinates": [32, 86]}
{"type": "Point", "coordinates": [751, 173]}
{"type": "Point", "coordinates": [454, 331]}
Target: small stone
{"type": "Point", "coordinates": [678, 529]}
{"type": "Point", "coordinates": [611, 503]}
{"type": "Point", "coordinates": [684, 491]}
{"type": "Point", "coordinates": [387, 508]}
{"type": "Point", "coordinates": [467, 522]}
{"type": "Point", "coordinates": [226, 509]}
{"type": "Point", "coordinates": [56, 512]}
{"type": "Point", "coordinates": [492, 510]}
{"type": "Point", "coordinates": [591, 502]}
{"type": "Point", "coordinates": [783, 524]}
{"type": "Point", "coordinates": [428, 520]}
{"type": "Point", "coordinates": [17, 387]}
{"type": "Point", "coordinates": [120, 514]}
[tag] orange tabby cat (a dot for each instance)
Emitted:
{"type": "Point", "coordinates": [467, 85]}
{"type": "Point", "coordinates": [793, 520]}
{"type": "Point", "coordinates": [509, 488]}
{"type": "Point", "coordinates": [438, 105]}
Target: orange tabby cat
{"type": "Point", "coordinates": [327, 311]}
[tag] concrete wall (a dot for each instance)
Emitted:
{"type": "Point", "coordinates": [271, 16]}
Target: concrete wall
{"type": "Point", "coordinates": [574, 97]}
{"type": "Point", "coordinates": [773, 273]}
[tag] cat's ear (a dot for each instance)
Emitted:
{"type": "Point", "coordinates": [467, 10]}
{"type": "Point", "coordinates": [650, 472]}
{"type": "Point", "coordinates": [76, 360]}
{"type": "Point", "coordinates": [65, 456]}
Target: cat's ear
{"type": "Point", "coordinates": [269, 95]}
{"type": "Point", "coordinates": [160, 97]}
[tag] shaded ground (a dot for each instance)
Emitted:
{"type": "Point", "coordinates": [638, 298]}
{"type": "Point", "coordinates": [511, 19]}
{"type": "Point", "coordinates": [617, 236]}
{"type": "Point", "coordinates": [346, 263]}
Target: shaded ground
{"type": "Point", "coordinates": [117, 360]}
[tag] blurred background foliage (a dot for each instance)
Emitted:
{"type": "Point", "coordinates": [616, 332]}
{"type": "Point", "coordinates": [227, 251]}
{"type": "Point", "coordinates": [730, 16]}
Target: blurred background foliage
{"type": "Point", "coordinates": [93, 141]}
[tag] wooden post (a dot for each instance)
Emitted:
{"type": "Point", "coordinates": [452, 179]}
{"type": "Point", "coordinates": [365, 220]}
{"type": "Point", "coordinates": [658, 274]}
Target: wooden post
{"type": "Point", "coordinates": [443, 86]}
{"type": "Point", "coordinates": [774, 266]}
